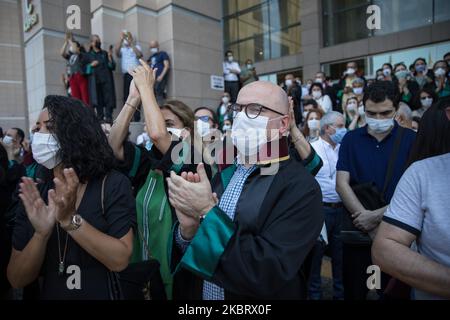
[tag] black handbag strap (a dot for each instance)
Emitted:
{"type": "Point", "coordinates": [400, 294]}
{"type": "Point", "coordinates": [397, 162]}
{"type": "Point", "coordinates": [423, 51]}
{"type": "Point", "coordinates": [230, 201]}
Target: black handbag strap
{"type": "Point", "coordinates": [392, 159]}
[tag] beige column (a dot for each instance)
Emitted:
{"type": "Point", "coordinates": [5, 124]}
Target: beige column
{"type": "Point", "coordinates": [311, 37]}
{"type": "Point", "coordinates": [13, 111]}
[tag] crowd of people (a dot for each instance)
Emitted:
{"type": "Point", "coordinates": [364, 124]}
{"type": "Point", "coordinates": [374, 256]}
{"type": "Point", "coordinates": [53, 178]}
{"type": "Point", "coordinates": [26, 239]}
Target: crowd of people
{"type": "Point", "coordinates": [236, 201]}
{"type": "Point", "coordinates": [89, 75]}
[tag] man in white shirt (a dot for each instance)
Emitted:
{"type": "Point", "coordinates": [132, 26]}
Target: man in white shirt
{"type": "Point", "coordinates": [129, 53]}
{"type": "Point", "coordinates": [231, 72]}
{"type": "Point", "coordinates": [332, 130]}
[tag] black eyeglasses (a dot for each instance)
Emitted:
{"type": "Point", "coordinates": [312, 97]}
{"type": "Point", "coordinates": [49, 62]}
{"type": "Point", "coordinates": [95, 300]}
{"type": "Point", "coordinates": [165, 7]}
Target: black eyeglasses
{"type": "Point", "coordinates": [252, 110]}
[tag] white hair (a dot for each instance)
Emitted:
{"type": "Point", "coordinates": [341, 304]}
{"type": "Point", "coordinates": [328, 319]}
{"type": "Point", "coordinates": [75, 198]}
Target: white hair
{"type": "Point", "coordinates": [329, 119]}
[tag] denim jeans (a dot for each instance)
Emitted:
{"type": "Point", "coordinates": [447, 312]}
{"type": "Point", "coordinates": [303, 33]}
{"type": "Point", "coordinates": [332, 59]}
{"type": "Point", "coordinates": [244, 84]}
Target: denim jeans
{"type": "Point", "coordinates": [333, 221]}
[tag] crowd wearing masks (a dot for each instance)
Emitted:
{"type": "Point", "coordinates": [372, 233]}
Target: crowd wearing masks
{"type": "Point", "coordinates": [241, 200]}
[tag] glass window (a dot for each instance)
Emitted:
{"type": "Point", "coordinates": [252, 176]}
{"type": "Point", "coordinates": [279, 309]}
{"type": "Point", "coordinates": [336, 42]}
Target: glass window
{"type": "Point", "coordinates": [285, 42]}
{"type": "Point", "coordinates": [230, 29]}
{"type": "Point", "coordinates": [345, 20]}
{"type": "Point", "coordinates": [399, 15]}
{"type": "Point", "coordinates": [284, 13]}
{"type": "Point", "coordinates": [246, 4]}
{"type": "Point", "coordinates": [254, 22]}
{"type": "Point", "coordinates": [441, 10]}
{"type": "Point", "coordinates": [262, 29]}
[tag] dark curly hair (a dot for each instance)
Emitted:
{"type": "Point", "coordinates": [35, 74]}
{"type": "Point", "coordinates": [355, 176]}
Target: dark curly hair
{"type": "Point", "coordinates": [83, 144]}
{"type": "Point", "coordinates": [379, 91]}
{"type": "Point", "coordinates": [434, 131]}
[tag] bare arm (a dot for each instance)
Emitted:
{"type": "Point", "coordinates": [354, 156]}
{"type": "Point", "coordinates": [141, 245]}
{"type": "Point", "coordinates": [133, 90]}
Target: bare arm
{"type": "Point", "coordinates": [301, 145]}
{"type": "Point", "coordinates": [119, 130]}
{"type": "Point", "coordinates": [346, 193]}
{"type": "Point", "coordinates": [298, 139]}
{"type": "Point", "coordinates": [24, 266]}
{"type": "Point", "coordinates": [137, 52]}
{"type": "Point", "coordinates": [144, 79]}
{"type": "Point", "coordinates": [64, 49]}
{"type": "Point", "coordinates": [113, 253]}
{"type": "Point", "coordinates": [117, 48]}
{"type": "Point", "coordinates": [391, 251]}
{"type": "Point", "coordinates": [165, 70]}
{"type": "Point", "coordinates": [354, 122]}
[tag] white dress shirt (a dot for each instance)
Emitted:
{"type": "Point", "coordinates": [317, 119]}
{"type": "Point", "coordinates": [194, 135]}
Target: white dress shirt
{"type": "Point", "coordinates": [326, 177]}
{"type": "Point", "coordinates": [227, 74]}
{"type": "Point", "coordinates": [325, 102]}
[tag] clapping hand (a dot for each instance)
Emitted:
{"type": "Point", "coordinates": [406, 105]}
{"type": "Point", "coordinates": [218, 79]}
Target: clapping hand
{"type": "Point", "coordinates": [41, 216]}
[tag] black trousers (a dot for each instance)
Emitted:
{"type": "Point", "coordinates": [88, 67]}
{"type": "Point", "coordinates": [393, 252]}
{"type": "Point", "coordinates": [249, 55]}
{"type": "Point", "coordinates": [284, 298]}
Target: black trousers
{"type": "Point", "coordinates": [105, 96]}
{"type": "Point", "coordinates": [356, 259]}
{"type": "Point", "coordinates": [127, 78]}
{"type": "Point", "coordinates": [160, 90]}
{"type": "Point", "coordinates": [232, 87]}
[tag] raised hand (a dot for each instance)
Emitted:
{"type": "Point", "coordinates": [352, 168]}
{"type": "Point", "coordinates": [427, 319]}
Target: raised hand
{"type": "Point", "coordinates": [65, 196]}
{"type": "Point", "coordinates": [144, 77]}
{"type": "Point", "coordinates": [134, 97]}
{"type": "Point", "coordinates": [41, 216]}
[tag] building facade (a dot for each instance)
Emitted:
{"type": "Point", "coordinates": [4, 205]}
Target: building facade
{"type": "Point", "coordinates": [280, 36]}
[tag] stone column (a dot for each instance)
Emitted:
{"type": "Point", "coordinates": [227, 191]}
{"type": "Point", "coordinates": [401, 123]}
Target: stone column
{"type": "Point", "coordinates": [311, 37]}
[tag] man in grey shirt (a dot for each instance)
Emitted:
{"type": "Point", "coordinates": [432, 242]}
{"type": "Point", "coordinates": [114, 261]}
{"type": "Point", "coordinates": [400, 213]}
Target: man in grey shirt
{"type": "Point", "coordinates": [419, 211]}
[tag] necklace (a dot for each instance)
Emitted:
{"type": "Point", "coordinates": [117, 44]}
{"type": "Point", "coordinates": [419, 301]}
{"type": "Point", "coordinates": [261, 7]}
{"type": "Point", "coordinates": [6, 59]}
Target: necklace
{"type": "Point", "coordinates": [62, 257]}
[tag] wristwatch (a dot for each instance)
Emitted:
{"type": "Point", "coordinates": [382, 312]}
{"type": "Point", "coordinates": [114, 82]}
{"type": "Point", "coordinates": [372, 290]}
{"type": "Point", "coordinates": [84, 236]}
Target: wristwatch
{"type": "Point", "coordinates": [75, 222]}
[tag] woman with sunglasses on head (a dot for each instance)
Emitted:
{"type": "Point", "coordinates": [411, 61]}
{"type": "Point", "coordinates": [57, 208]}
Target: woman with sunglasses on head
{"type": "Point", "coordinates": [63, 231]}
{"type": "Point", "coordinates": [170, 128]}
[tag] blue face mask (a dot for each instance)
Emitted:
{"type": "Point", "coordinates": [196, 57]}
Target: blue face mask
{"type": "Point", "coordinates": [421, 68]}
{"type": "Point", "coordinates": [149, 145]}
{"type": "Point", "coordinates": [339, 135]}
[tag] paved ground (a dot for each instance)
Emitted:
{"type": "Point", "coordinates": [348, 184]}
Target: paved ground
{"type": "Point", "coordinates": [327, 282]}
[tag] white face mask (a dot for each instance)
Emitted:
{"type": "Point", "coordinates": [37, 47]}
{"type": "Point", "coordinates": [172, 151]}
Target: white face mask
{"type": "Point", "coordinates": [351, 71]}
{"type": "Point", "coordinates": [175, 131]}
{"type": "Point", "coordinates": [7, 140]}
{"type": "Point", "coordinates": [226, 128]}
{"type": "Point", "coordinates": [427, 102]}
{"type": "Point", "coordinates": [248, 135]}
{"type": "Point", "coordinates": [314, 124]}
{"type": "Point", "coordinates": [126, 43]}
{"type": "Point", "coordinates": [380, 125]}
{"type": "Point", "coordinates": [249, 66]}
{"type": "Point", "coordinates": [319, 80]}
{"type": "Point", "coordinates": [203, 128]}
{"type": "Point", "coordinates": [439, 72]}
{"type": "Point", "coordinates": [317, 94]}
{"type": "Point", "coordinates": [45, 150]}
{"type": "Point", "coordinates": [288, 82]}
{"type": "Point", "coordinates": [351, 107]}
{"type": "Point", "coordinates": [358, 91]}
{"type": "Point", "coordinates": [230, 59]}
{"type": "Point", "coordinates": [387, 72]}
{"type": "Point", "coordinates": [153, 50]}
{"type": "Point", "coordinates": [361, 110]}
{"type": "Point", "coordinates": [71, 49]}
{"type": "Point", "coordinates": [225, 100]}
